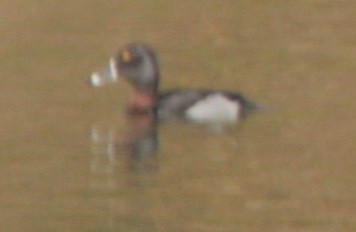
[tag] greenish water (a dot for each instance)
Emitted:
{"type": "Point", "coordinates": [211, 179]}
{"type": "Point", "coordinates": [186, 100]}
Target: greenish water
{"type": "Point", "coordinates": [67, 162]}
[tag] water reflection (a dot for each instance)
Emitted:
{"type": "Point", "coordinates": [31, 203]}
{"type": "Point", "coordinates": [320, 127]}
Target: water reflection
{"type": "Point", "coordinates": [124, 162]}
{"type": "Point", "coordinates": [139, 147]}
{"type": "Point", "coordinates": [143, 143]}
{"type": "Point", "coordinates": [125, 173]}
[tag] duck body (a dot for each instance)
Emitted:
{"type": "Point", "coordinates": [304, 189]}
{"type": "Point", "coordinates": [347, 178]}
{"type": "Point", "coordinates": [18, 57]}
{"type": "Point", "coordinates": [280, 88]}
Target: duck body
{"type": "Point", "coordinates": [137, 63]}
{"type": "Point", "coordinates": [203, 105]}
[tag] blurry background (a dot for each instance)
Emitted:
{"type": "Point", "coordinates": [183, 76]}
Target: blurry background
{"type": "Point", "coordinates": [292, 169]}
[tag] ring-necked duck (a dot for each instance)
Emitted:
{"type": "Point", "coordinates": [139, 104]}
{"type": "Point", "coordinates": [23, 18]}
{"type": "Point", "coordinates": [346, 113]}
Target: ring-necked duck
{"type": "Point", "coordinates": [137, 63]}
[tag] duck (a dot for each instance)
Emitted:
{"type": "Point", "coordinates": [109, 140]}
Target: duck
{"type": "Point", "coordinates": [137, 63]}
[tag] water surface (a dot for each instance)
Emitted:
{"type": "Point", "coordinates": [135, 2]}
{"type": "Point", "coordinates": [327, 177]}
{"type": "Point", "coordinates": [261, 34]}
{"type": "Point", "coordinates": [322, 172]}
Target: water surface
{"type": "Point", "coordinates": [67, 158]}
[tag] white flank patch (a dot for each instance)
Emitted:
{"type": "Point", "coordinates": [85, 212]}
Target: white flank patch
{"type": "Point", "coordinates": [214, 107]}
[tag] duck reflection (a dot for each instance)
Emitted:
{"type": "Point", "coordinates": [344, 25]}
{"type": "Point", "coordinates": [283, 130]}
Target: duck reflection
{"type": "Point", "coordinates": [138, 147]}
{"type": "Point", "coordinates": [143, 144]}
{"type": "Point", "coordinates": [125, 162]}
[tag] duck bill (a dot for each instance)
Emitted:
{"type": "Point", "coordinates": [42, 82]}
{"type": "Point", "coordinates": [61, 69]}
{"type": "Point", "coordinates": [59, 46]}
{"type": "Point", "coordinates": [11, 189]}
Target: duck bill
{"type": "Point", "coordinates": [105, 76]}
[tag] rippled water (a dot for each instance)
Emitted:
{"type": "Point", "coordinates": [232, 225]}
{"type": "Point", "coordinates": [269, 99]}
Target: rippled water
{"type": "Point", "coordinates": [72, 161]}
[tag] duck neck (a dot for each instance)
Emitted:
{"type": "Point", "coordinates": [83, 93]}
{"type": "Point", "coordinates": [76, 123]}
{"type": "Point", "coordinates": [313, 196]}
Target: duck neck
{"type": "Point", "coordinates": [144, 98]}
{"type": "Point", "coordinates": [142, 101]}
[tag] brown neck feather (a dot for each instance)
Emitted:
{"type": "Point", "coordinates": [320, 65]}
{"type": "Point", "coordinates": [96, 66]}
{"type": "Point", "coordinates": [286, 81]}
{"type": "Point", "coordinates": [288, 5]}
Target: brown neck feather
{"type": "Point", "coordinates": [142, 102]}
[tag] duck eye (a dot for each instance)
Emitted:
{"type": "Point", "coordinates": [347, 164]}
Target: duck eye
{"type": "Point", "coordinates": [127, 56]}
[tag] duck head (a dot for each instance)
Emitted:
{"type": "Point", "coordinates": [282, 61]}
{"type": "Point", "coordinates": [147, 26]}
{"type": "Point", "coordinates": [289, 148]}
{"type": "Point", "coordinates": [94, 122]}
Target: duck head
{"type": "Point", "coordinates": [136, 63]}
